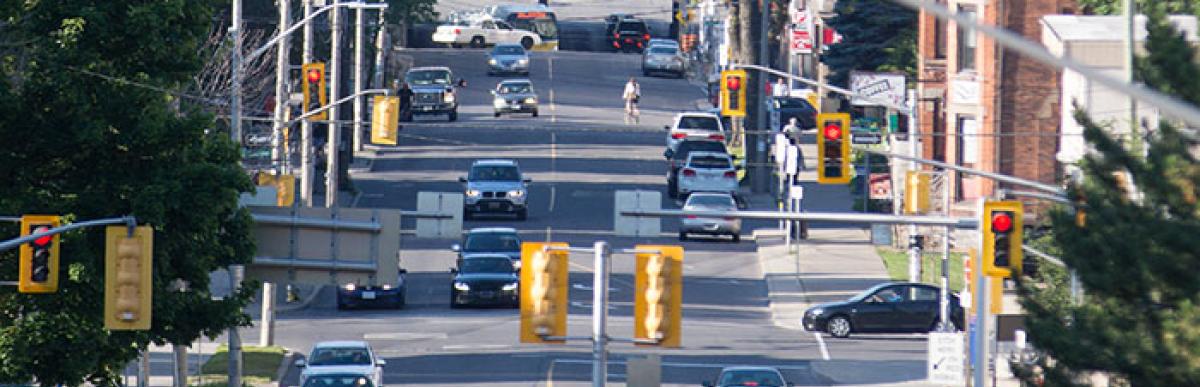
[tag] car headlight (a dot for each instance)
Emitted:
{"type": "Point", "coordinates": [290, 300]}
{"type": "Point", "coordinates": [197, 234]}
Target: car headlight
{"type": "Point", "coordinates": [461, 286]}
{"type": "Point", "coordinates": [492, 61]}
{"type": "Point", "coordinates": [498, 102]}
{"type": "Point", "coordinates": [516, 193]}
{"type": "Point", "coordinates": [387, 287]}
{"type": "Point", "coordinates": [509, 287]}
{"type": "Point", "coordinates": [349, 287]}
{"type": "Point", "coordinates": [517, 264]}
{"type": "Point", "coordinates": [449, 97]}
{"type": "Point", "coordinates": [817, 311]}
{"type": "Point", "coordinates": [523, 61]}
{"type": "Point", "coordinates": [531, 100]}
{"type": "Point", "coordinates": [473, 193]}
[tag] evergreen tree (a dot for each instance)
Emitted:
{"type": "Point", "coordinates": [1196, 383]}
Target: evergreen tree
{"type": "Point", "coordinates": [877, 35]}
{"type": "Point", "coordinates": [1136, 252]}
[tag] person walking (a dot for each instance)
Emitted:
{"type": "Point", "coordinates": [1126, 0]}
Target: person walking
{"type": "Point", "coordinates": [406, 96]}
{"type": "Point", "coordinates": [792, 131]}
{"type": "Point", "coordinates": [632, 94]}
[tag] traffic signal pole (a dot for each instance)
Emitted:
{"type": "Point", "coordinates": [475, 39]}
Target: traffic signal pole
{"type": "Point", "coordinates": [235, 61]}
{"type": "Point", "coordinates": [601, 266]}
{"type": "Point", "coordinates": [278, 155]}
{"type": "Point", "coordinates": [306, 162]}
{"type": "Point", "coordinates": [17, 242]}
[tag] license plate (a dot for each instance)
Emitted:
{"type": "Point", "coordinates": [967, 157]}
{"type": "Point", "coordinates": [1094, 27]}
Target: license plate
{"type": "Point", "coordinates": [368, 295]}
{"type": "Point", "coordinates": [628, 40]}
{"type": "Point", "coordinates": [427, 108]}
{"type": "Point", "coordinates": [487, 294]}
{"type": "Point", "coordinates": [493, 205]}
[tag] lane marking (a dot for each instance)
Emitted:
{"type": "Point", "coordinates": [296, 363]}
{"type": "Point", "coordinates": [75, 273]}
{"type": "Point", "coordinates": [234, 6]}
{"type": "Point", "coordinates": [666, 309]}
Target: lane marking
{"type": "Point", "coordinates": [821, 345]}
{"type": "Point", "coordinates": [404, 336]}
{"type": "Point", "coordinates": [685, 365]}
{"type": "Point", "coordinates": [553, 107]}
{"type": "Point", "coordinates": [434, 139]}
{"type": "Point", "coordinates": [476, 346]}
{"type": "Point", "coordinates": [553, 168]}
{"type": "Point", "coordinates": [550, 374]}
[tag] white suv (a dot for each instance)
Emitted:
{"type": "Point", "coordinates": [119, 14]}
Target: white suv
{"type": "Point", "coordinates": [694, 126]}
{"type": "Point", "coordinates": [707, 172]}
{"type": "Point", "coordinates": [342, 357]}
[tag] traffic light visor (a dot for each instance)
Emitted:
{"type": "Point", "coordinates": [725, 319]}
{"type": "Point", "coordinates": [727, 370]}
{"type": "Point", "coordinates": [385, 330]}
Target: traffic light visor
{"type": "Point", "coordinates": [1002, 221]}
{"type": "Point", "coordinates": [314, 75]}
{"type": "Point", "coordinates": [833, 131]}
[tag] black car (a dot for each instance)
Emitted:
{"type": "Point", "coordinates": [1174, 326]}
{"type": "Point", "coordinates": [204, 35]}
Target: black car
{"type": "Point", "coordinates": [892, 307]}
{"type": "Point", "coordinates": [676, 158]}
{"type": "Point", "coordinates": [629, 35]}
{"type": "Point", "coordinates": [795, 107]}
{"type": "Point", "coordinates": [485, 280]}
{"type": "Point", "coordinates": [749, 376]}
{"type": "Point", "coordinates": [352, 295]}
{"type": "Point", "coordinates": [490, 241]}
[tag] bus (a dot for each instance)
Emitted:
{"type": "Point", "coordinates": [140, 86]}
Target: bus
{"type": "Point", "coordinates": [538, 19]}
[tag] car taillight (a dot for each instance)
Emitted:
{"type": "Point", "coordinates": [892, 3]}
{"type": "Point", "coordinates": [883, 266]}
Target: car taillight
{"type": "Point", "coordinates": [678, 136]}
{"type": "Point", "coordinates": [646, 37]}
{"type": "Point", "coordinates": [616, 35]}
{"type": "Point", "coordinates": [731, 174]}
{"type": "Point", "coordinates": [716, 137]}
{"type": "Point", "coordinates": [691, 216]}
{"type": "Point", "coordinates": [616, 45]}
{"type": "Point", "coordinates": [457, 31]}
{"type": "Point", "coordinates": [689, 172]}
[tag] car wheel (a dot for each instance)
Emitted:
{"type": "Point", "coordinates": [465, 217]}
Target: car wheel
{"type": "Point", "coordinates": [737, 238]}
{"type": "Point", "coordinates": [453, 116]}
{"type": "Point", "coordinates": [522, 214]}
{"type": "Point", "coordinates": [468, 215]}
{"type": "Point", "coordinates": [527, 42]}
{"type": "Point", "coordinates": [682, 236]}
{"type": "Point", "coordinates": [453, 304]}
{"type": "Point", "coordinates": [477, 42]}
{"type": "Point", "coordinates": [496, 114]}
{"type": "Point", "coordinates": [535, 113]}
{"type": "Point", "coordinates": [839, 327]}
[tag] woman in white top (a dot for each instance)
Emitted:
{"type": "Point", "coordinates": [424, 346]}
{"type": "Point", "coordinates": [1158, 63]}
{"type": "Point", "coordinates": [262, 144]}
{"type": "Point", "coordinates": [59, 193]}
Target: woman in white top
{"type": "Point", "coordinates": [632, 93]}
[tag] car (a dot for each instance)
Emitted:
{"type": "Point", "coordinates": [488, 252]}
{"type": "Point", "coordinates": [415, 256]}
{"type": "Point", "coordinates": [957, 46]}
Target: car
{"type": "Point", "coordinates": [663, 59]}
{"type": "Point", "coordinates": [711, 201]}
{"type": "Point", "coordinates": [749, 376]}
{"type": "Point", "coordinates": [612, 20]}
{"type": "Point", "coordinates": [354, 295]}
{"type": "Point", "coordinates": [491, 241]}
{"type": "Point", "coordinates": [514, 96]}
{"type": "Point", "coordinates": [794, 107]}
{"type": "Point", "coordinates": [342, 357]}
{"type": "Point", "coordinates": [508, 58]}
{"type": "Point", "coordinates": [678, 157]}
{"type": "Point", "coordinates": [495, 186]}
{"type": "Point", "coordinates": [338, 379]}
{"type": "Point", "coordinates": [482, 32]}
{"type": "Point", "coordinates": [890, 307]}
{"type": "Point", "coordinates": [662, 42]}
{"type": "Point", "coordinates": [694, 126]}
{"type": "Point", "coordinates": [629, 35]}
{"type": "Point", "coordinates": [707, 172]}
{"type": "Point", "coordinates": [485, 279]}
{"type": "Point", "coordinates": [433, 91]}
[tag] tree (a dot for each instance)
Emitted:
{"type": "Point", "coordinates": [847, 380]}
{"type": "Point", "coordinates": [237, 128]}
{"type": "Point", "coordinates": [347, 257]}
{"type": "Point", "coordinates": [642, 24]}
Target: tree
{"type": "Point", "coordinates": [407, 12]}
{"type": "Point", "coordinates": [88, 130]}
{"type": "Point", "coordinates": [1136, 251]}
{"type": "Point", "coordinates": [877, 35]}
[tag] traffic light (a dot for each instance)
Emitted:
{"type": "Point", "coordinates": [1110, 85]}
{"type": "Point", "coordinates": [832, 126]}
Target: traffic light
{"type": "Point", "coordinates": [38, 268]}
{"type": "Point", "coordinates": [1002, 233]}
{"type": "Point", "coordinates": [833, 148]}
{"type": "Point", "coordinates": [733, 93]}
{"type": "Point", "coordinates": [543, 292]}
{"type": "Point", "coordinates": [314, 86]}
{"type": "Point", "coordinates": [128, 280]}
{"type": "Point", "coordinates": [658, 295]}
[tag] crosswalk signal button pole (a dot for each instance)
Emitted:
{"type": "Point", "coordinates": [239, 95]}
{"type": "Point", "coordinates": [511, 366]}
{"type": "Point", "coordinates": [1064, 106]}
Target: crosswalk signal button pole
{"type": "Point", "coordinates": [38, 266]}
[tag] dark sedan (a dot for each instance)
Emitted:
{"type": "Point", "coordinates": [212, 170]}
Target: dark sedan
{"type": "Point", "coordinates": [795, 107]}
{"type": "Point", "coordinates": [485, 280]}
{"type": "Point", "coordinates": [892, 307]}
{"type": "Point", "coordinates": [354, 295]}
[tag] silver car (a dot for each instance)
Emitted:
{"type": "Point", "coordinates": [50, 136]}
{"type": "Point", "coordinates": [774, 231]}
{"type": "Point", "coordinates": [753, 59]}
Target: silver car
{"type": "Point", "coordinates": [711, 201]}
{"type": "Point", "coordinates": [495, 186]}
{"type": "Point", "coordinates": [663, 58]}
{"type": "Point", "coordinates": [508, 59]}
{"type": "Point", "coordinates": [514, 96]}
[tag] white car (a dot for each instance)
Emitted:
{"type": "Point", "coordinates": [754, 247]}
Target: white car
{"type": "Point", "coordinates": [694, 126]}
{"type": "Point", "coordinates": [483, 33]}
{"type": "Point", "coordinates": [342, 358]}
{"type": "Point", "coordinates": [707, 172]}
{"type": "Point", "coordinates": [709, 201]}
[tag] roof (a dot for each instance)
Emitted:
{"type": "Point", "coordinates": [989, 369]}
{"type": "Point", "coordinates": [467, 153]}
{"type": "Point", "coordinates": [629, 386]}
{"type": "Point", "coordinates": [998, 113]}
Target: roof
{"type": "Point", "coordinates": [495, 162]}
{"type": "Point", "coordinates": [341, 344]}
{"type": "Point", "coordinates": [492, 229]}
{"type": "Point", "coordinates": [749, 368]}
{"type": "Point", "coordinates": [522, 80]}
{"type": "Point", "coordinates": [696, 114]}
{"type": "Point", "coordinates": [1109, 28]}
{"type": "Point", "coordinates": [429, 68]}
{"type": "Point", "coordinates": [486, 255]}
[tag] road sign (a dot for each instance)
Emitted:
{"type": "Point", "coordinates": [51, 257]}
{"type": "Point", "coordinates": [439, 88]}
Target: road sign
{"type": "Point", "coordinates": [802, 41]}
{"type": "Point", "coordinates": [945, 364]}
{"type": "Point", "coordinates": [877, 86]}
{"type": "Point", "coordinates": [797, 192]}
{"type": "Point", "coordinates": [862, 137]}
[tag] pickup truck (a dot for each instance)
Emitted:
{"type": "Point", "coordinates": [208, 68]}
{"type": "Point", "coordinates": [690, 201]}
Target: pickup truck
{"type": "Point", "coordinates": [482, 33]}
{"type": "Point", "coordinates": [433, 91]}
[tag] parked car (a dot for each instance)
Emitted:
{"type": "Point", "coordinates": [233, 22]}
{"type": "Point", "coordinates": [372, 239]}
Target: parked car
{"type": "Point", "coordinates": [678, 157]}
{"type": "Point", "coordinates": [482, 33]}
{"type": "Point", "coordinates": [710, 201]}
{"type": "Point", "coordinates": [663, 59]}
{"type": "Point", "coordinates": [694, 126]}
{"type": "Point", "coordinates": [433, 91]}
{"type": "Point", "coordinates": [891, 307]}
{"type": "Point", "coordinates": [749, 376]}
{"type": "Point", "coordinates": [354, 295]}
{"type": "Point", "coordinates": [707, 172]}
{"type": "Point", "coordinates": [485, 280]}
{"type": "Point", "coordinates": [495, 186]}
{"type": "Point", "coordinates": [799, 108]}
{"type": "Point", "coordinates": [629, 35]}
{"type": "Point", "coordinates": [342, 357]}
{"type": "Point", "coordinates": [612, 20]}
{"type": "Point", "coordinates": [491, 241]}
{"type": "Point", "coordinates": [336, 378]}
{"type": "Point", "coordinates": [508, 58]}
{"type": "Point", "coordinates": [662, 42]}
{"type": "Point", "coordinates": [514, 96]}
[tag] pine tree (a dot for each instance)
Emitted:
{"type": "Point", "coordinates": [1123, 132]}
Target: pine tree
{"type": "Point", "coordinates": [877, 35]}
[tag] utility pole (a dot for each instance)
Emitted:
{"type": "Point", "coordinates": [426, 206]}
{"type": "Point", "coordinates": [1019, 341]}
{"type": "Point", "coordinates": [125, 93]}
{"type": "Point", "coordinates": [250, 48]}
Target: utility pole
{"type": "Point", "coordinates": [266, 335]}
{"type": "Point", "coordinates": [381, 51]}
{"type": "Point", "coordinates": [235, 339]}
{"type": "Point", "coordinates": [306, 147]}
{"type": "Point", "coordinates": [335, 133]}
{"type": "Point", "coordinates": [601, 266]}
{"type": "Point", "coordinates": [758, 152]}
{"type": "Point", "coordinates": [235, 61]}
{"type": "Point", "coordinates": [281, 79]}
{"type": "Point", "coordinates": [359, 13]}
{"type": "Point", "coordinates": [1130, 13]}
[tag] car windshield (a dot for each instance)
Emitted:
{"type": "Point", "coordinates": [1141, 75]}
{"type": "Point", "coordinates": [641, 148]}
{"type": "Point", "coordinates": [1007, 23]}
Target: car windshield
{"type": "Point", "coordinates": [759, 378]}
{"type": "Point", "coordinates": [714, 162]}
{"type": "Point", "coordinates": [794, 103]}
{"type": "Point", "coordinates": [508, 50]}
{"type": "Point", "coordinates": [699, 123]}
{"type": "Point", "coordinates": [494, 173]}
{"type": "Point", "coordinates": [516, 88]}
{"type": "Point", "coordinates": [632, 28]}
{"type": "Point", "coordinates": [492, 241]}
{"type": "Point", "coordinates": [430, 77]}
{"type": "Point", "coordinates": [338, 380]}
{"type": "Point", "coordinates": [340, 356]}
{"type": "Point", "coordinates": [687, 147]}
{"type": "Point", "coordinates": [714, 201]}
{"type": "Point", "coordinates": [660, 50]}
{"type": "Point", "coordinates": [486, 265]}
{"type": "Point", "coordinates": [863, 294]}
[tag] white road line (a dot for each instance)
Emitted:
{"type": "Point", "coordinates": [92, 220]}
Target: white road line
{"type": "Point", "coordinates": [682, 365]}
{"type": "Point", "coordinates": [821, 345]}
{"type": "Point", "coordinates": [553, 167]}
{"type": "Point", "coordinates": [476, 346]}
{"type": "Point", "coordinates": [404, 336]}
{"type": "Point", "coordinates": [553, 107]}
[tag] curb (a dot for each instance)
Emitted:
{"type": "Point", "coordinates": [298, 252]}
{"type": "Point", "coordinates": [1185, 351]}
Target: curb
{"type": "Point", "coordinates": [307, 300]}
{"type": "Point", "coordinates": [284, 365]}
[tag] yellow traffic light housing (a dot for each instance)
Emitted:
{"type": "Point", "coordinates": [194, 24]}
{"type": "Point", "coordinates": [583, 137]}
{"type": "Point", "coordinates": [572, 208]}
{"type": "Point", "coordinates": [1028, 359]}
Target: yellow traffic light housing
{"type": "Point", "coordinates": [128, 278]}
{"type": "Point", "coordinates": [313, 85]}
{"type": "Point", "coordinates": [833, 148]}
{"type": "Point", "coordinates": [1002, 234]}
{"type": "Point", "coordinates": [658, 295]}
{"type": "Point", "coordinates": [38, 267]}
{"type": "Point", "coordinates": [916, 192]}
{"type": "Point", "coordinates": [733, 93]}
{"type": "Point", "coordinates": [385, 120]}
{"type": "Point", "coordinates": [543, 292]}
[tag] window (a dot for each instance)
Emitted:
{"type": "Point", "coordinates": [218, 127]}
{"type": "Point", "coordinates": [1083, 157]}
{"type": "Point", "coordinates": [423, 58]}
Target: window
{"type": "Point", "coordinates": [494, 173]}
{"type": "Point", "coordinates": [921, 293]}
{"type": "Point", "coordinates": [699, 123]}
{"type": "Point", "coordinates": [492, 242]}
{"type": "Point", "coordinates": [340, 356]}
{"type": "Point", "coordinates": [966, 41]}
{"type": "Point", "coordinates": [489, 25]}
{"type": "Point", "coordinates": [709, 162]}
{"type": "Point", "coordinates": [939, 38]}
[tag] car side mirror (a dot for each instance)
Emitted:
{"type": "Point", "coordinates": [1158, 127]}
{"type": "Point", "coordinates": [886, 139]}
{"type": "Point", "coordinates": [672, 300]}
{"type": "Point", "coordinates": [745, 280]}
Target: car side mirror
{"type": "Point", "coordinates": [381, 362]}
{"type": "Point", "coordinates": [526, 180]}
{"type": "Point", "coordinates": [454, 270]}
{"type": "Point", "coordinates": [667, 154]}
{"type": "Point", "coordinates": [462, 82]}
{"type": "Point", "coordinates": [462, 179]}
{"type": "Point", "coordinates": [666, 127]}
{"type": "Point", "coordinates": [300, 363]}
{"type": "Point", "coordinates": [403, 271]}
{"type": "Point", "coordinates": [455, 247]}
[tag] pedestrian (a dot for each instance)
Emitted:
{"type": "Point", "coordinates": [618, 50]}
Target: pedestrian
{"type": "Point", "coordinates": [632, 95]}
{"type": "Point", "coordinates": [792, 131]}
{"type": "Point", "coordinates": [781, 88]}
{"type": "Point", "coordinates": [406, 96]}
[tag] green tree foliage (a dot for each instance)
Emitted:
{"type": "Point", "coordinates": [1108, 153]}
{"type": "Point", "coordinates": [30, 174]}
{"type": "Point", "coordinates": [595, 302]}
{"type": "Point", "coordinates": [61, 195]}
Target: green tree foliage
{"type": "Point", "coordinates": [1113, 7]}
{"type": "Point", "coordinates": [87, 147]}
{"type": "Point", "coordinates": [1137, 253]}
{"type": "Point", "coordinates": [878, 35]}
{"type": "Point", "coordinates": [406, 12]}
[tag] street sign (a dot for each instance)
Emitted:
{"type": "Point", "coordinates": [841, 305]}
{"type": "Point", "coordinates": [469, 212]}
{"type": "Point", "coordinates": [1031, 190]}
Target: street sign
{"type": "Point", "coordinates": [802, 41]}
{"type": "Point", "coordinates": [881, 86]}
{"type": "Point", "coordinates": [945, 364]}
{"type": "Point", "coordinates": [862, 137]}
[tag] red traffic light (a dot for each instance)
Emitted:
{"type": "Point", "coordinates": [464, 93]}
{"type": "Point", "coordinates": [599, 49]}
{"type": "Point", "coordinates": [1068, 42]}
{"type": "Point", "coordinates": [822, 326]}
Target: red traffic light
{"type": "Point", "coordinates": [833, 132]}
{"type": "Point", "coordinates": [1001, 222]}
{"type": "Point", "coordinates": [42, 241]}
{"type": "Point", "coordinates": [314, 75]}
{"type": "Point", "coordinates": [733, 83]}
